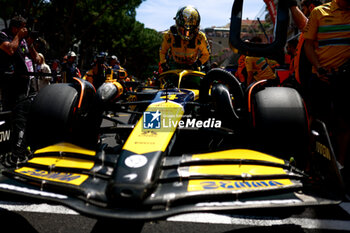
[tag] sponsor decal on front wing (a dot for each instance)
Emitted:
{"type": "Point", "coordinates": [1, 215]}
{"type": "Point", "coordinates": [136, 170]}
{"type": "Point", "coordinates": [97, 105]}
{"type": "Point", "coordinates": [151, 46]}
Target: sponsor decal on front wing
{"type": "Point", "coordinates": [68, 178]}
{"type": "Point", "coordinates": [232, 185]}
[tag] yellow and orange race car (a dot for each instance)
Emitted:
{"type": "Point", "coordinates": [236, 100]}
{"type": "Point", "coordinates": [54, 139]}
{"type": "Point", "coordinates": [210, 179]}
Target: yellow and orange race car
{"type": "Point", "coordinates": [199, 143]}
{"type": "Point", "coordinates": [190, 150]}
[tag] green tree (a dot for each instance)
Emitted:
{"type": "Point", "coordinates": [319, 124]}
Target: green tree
{"type": "Point", "coordinates": [27, 9]}
{"type": "Point", "coordinates": [90, 26]}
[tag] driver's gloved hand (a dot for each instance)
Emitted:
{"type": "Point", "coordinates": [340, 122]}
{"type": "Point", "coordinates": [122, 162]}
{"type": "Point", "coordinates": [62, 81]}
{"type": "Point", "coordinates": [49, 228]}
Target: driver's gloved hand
{"type": "Point", "coordinates": [165, 67]}
{"type": "Point", "coordinates": [17, 157]}
{"type": "Point", "coordinates": [291, 3]}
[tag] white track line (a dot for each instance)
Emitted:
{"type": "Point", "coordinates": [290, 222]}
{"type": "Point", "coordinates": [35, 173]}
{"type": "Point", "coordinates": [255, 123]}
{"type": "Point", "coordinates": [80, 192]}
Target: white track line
{"type": "Point", "coordinates": [208, 218]}
{"type": "Point", "coordinates": [305, 223]}
{"type": "Point", "coordinates": [36, 208]}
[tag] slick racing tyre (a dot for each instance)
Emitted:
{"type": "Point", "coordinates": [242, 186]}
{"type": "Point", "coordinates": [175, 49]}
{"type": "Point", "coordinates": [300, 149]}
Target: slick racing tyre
{"type": "Point", "coordinates": [280, 123]}
{"type": "Point", "coordinates": [51, 115]}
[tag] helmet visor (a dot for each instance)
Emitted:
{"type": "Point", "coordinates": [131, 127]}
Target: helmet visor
{"type": "Point", "coordinates": [187, 33]}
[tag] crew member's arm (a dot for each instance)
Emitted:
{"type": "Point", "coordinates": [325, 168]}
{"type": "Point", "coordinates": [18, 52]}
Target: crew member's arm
{"type": "Point", "coordinates": [250, 72]}
{"type": "Point", "coordinates": [164, 48]}
{"type": "Point", "coordinates": [310, 52]}
{"type": "Point", "coordinates": [11, 47]}
{"type": "Point", "coordinates": [310, 35]}
{"type": "Point", "coordinates": [204, 48]}
{"type": "Point", "coordinates": [298, 16]}
{"type": "Point", "coordinates": [33, 53]}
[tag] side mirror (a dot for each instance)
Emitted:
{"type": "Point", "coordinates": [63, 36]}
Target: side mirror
{"type": "Point", "coordinates": [274, 50]}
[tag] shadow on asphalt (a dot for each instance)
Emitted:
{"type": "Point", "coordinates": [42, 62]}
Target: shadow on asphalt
{"type": "Point", "coordinates": [12, 222]}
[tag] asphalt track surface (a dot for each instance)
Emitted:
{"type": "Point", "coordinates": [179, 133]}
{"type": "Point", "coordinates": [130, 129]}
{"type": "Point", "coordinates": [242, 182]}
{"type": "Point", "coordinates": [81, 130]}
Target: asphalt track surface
{"type": "Point", "coordinates": [18, 215]}
{"type": "Point", "coordinates": [44, 218]}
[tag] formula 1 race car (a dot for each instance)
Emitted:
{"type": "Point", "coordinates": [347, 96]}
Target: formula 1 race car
{"type": "Point", "coordinates": [182, 155]}
{"type": "Point", "coordinates": [199, 143]}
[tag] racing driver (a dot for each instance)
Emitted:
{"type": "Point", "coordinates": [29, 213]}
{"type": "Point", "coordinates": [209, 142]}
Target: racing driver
{"type": "Point", "coordinates": [184, 46]}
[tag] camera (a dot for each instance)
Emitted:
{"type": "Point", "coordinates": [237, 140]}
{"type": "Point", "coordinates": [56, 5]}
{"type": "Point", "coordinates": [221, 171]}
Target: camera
{"type": "Point", "coordinates": [34, 35]}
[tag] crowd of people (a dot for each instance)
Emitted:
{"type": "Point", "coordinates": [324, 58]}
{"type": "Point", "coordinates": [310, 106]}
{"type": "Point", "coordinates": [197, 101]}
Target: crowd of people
{"type": "Point", "coordinates": [24, 72]}
{"type": "Point", "coordinates": [318, 64]}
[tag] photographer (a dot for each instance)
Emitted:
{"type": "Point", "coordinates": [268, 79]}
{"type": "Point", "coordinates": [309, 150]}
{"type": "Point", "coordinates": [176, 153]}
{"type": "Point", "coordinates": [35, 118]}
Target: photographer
{"type": "Point", "coordinates": [17, 55]}
{"type": "Point", "coordinates": [97, 75]}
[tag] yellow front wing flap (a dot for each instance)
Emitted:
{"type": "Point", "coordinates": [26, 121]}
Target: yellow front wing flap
{"type": "Point", "coordinates": [238, 154]}
{"type": "Point", "coordinates": [65, 147]}
{"type": "Point", "coordinates": [62, 177]}
{"type": "Point", "coordinates": [53, 157]}
{"type": "Point", "coordinates": [62, 162]}
{"type": "Point", "coordinates": [236, 170]}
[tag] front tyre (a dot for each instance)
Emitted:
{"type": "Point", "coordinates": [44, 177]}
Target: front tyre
{"type": "Point", "coordinates": [59, 113]}
{"type": "Point", "coordinates": [50, 116]}
{"type": "Point", "coordinates": [280, 123]}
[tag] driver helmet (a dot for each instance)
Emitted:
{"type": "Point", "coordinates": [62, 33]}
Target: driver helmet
{"type": "Point", "coordinates": [187, 22]}
{"type": "Point", "coordinates": [101, 57]}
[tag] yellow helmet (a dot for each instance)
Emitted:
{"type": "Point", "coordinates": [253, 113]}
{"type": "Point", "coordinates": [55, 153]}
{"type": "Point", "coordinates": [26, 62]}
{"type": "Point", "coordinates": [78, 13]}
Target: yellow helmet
{"type": "Point", "coordinates": [187, 22]}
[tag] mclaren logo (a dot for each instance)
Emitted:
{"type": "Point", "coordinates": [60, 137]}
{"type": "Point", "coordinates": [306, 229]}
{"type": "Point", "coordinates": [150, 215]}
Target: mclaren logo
{"type": "Point", "coordinates": [5, 135]}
